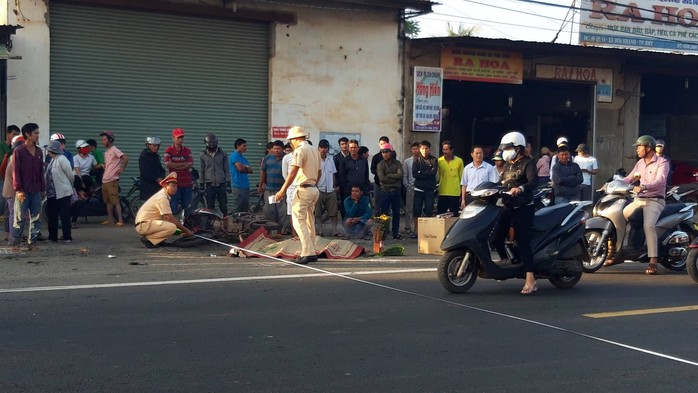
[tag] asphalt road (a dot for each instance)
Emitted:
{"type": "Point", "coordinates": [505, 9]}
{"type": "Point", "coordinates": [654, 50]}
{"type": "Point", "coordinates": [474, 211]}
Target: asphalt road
{"type": "Point", "coordinates": [269, 327]}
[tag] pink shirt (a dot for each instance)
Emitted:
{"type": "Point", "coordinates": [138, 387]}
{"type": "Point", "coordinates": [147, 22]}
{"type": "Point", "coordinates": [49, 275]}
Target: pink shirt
{"type": "Point", "coordinates": [112, 160]}
{"type": "Point", "coordinates": [543, 166]}
{"type": "Point", "coordinates": [653, 176]}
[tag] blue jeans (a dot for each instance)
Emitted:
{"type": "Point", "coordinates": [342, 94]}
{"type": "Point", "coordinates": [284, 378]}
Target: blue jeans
{"type": "Point", "coordinates": [241, 200]}
{"type": "Point", "coordinates": [181, 198]}
{"type": "Point", "coordinates": [32, 203]}
{"type": "Point", "coordinates": [392, 201]}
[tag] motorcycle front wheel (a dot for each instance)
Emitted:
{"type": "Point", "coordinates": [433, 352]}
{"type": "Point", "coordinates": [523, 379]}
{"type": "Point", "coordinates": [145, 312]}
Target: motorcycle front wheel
{"type": "Point", "coordinates": [457, 273]}
{"type": "Point", "coordinates": [595, 262]}
{"type": "Point", "coordinates": [692, 264]}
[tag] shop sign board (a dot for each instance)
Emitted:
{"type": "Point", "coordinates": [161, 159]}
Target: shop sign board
{"type": "Point", "coordinates": [482, 65]}
{"type": "Point", "coordinates": [428, 88]}
{"type": "Point", "coordinates": [603, 77]}
{"type": "Point", "coordinates": [648, 24]}
{"type": "Point", "coordinates": [280, 132]}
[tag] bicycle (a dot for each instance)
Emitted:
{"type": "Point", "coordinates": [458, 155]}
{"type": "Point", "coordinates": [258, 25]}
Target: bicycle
{"type": "Point", "coordinates": [135, 202]}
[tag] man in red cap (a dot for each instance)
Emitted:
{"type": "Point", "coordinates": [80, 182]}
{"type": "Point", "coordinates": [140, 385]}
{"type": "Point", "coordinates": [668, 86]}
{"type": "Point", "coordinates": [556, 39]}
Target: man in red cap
{"type": "Point", "coordinates": [178, 159]}
{"type": "Point", "coordinates": [155, 221]}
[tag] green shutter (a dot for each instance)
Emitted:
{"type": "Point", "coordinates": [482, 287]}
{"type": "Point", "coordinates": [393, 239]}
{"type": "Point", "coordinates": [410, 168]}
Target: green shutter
{"type": "Point", "coordinates": [140, 73]}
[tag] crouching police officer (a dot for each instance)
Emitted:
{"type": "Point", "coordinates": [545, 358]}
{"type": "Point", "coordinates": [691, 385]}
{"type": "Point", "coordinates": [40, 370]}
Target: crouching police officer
{"type": "Point", "coordinates": [154, 220]}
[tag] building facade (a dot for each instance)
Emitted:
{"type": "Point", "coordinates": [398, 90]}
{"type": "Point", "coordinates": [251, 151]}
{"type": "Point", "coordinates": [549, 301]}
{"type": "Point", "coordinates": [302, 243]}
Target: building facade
{"type": "Point", "coordinates": [240, 69]}
{"type": "Point", "coordinates": [602, 97]}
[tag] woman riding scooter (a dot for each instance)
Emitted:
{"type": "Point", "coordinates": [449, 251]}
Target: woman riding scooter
{"type": "Point", "coordinates": [519, 176]}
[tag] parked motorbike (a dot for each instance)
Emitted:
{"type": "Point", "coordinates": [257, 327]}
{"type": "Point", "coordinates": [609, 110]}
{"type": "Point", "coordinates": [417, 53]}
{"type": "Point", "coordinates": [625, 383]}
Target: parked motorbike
{"type": "Point", "coordinates": [692, 260]}
{"type": "Point", "coordinates": [606, 230]}
{"type": "Point", "coordinates": [543, 196]}
{"type": "Point", "coordinates": [557, 241]}
{"type": "Point", "coordinates": [93, 206]}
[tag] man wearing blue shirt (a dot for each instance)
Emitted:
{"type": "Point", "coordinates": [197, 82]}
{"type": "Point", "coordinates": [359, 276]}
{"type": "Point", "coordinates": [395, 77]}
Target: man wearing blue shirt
{"type": "Point", "coordinates": [240, 169]}
{"type": "Point", "coordinates": [358, 219]}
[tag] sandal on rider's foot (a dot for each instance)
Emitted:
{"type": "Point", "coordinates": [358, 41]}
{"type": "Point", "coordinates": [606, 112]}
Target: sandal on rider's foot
{"type": "Point", "coordinates": [611, 262]}
{"type": "Point", "coordinates": [652, 269]}
{"type": "Point", "coordinates": [529, 290]}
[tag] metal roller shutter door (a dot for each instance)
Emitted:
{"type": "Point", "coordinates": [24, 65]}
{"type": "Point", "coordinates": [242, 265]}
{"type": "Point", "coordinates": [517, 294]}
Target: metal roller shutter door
{"type": "Point", "coordinates": [140, 74]}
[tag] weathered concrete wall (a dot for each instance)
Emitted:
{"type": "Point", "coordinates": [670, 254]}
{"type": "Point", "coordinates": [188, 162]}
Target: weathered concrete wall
{"type": "Point", "coordinates": [338, 71]}
{"type": "Point", "coordinates": [28, 78]}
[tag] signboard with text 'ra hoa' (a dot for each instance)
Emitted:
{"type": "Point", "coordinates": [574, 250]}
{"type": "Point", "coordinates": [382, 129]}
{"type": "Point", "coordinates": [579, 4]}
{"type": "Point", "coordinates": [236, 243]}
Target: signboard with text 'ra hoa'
{"type": "Point", "coordinates": [666, 25]}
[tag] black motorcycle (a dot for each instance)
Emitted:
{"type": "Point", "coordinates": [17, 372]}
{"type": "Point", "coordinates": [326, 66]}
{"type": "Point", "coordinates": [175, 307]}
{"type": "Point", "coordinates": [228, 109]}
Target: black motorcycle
{"type": "Point", "coordinates": [557, 241]}
{"type": "Point", "coordinates": [93, 206]}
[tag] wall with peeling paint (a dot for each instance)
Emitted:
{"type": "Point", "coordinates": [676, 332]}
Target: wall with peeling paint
{"type": "Point", "coordinates": [338, 71]}
{"type": "Point", "coordinates": [28, 78]}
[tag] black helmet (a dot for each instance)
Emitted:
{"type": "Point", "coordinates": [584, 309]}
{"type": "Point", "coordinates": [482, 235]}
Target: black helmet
{"type": "Point", "coordinates": [211, 141]}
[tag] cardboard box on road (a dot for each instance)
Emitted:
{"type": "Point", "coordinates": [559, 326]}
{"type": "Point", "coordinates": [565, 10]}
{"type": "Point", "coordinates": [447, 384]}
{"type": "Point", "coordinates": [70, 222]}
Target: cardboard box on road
{"type": "Point", "coordinates": [431, 231]}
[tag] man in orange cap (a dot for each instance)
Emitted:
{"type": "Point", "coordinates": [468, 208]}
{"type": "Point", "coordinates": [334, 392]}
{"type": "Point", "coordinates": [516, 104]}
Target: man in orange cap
{"type": "Point", "coordinates": [155, 221]}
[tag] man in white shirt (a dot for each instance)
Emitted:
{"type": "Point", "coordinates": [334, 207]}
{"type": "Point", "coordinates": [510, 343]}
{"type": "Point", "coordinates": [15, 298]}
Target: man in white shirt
{"type": "Point", "coordinates": [326, 185]}
{"type": "Point", "coordinates": [589, 167]}
{"type": "Point", "coordinates": [475, 173]}
{"type": "Point", "coordinates": [408, 182]}
{"type": "Point", "coordinates": [285, 165]}
{"type": "Point", "coordinates": [561, 141]}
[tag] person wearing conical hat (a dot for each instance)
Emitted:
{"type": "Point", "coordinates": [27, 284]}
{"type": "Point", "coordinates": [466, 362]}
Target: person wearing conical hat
{"type": "Point", "coordinates": [304, 173]}
{"type": "Point", "coordinates": [154, 220]}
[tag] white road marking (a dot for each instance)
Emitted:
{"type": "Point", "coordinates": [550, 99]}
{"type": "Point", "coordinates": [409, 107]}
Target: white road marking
{"type": "Point", "coordinates": [208, 280]}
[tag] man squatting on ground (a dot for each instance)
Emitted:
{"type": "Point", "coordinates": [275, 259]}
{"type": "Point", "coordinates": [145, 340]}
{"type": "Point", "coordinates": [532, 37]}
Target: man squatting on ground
{"type": "Point", "coordinates": [154, 220]}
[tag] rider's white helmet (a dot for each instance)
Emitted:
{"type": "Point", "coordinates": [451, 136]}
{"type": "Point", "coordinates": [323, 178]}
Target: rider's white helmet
{"type": "Point", "coordinates": [512, 139]}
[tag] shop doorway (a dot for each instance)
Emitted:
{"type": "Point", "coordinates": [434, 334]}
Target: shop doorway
{"type": "Point", "coordinates": [480, 113]}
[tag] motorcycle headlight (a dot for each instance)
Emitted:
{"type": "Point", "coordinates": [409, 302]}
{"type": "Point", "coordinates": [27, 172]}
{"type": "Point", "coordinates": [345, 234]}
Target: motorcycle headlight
{"type": "Point", "coordinates": [471, 210]}
{"type": "Point", "coordinates": [484, 193]}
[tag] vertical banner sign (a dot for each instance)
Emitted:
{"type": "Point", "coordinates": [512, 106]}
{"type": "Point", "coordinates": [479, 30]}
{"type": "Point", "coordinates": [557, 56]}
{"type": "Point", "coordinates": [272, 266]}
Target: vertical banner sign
{"type": "Point", "coordinates": [426, 112]}
{"type": "Point", "coordinates": [649, 24]}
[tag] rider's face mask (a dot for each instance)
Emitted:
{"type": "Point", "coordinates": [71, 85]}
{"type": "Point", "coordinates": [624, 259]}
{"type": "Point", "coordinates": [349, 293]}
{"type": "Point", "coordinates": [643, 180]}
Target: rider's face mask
{"type": "Point", "coordinates": [509, 154]}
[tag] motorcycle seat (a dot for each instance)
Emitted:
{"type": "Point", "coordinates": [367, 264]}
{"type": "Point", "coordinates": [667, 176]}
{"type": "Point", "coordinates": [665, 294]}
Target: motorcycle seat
{"type": "Point", "coordinates": [672, 208]}
{"type": "Point", "coordinates": [547, 218]}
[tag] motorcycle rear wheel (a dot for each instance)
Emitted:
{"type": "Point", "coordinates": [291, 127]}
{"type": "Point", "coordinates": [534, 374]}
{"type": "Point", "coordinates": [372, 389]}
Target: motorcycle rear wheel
{"type": "Point", "coordinates": [449, 266]}
{"type": "Point", "coordinates": [565, 282]}
{"type": "Point", "coordinates": [692, 264]}
{"type": "Point", "coordinates": [675, 266]}
{"type": "Point", "coordinates": [595, 263]}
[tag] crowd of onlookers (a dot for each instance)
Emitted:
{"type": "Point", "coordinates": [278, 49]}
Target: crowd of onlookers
{"type": "Point", "coordinates": [354, 186]}
{"type": "Point", "coordinates": [32, 175]}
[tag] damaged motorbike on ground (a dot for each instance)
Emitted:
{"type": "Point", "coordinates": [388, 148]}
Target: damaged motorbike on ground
{"type": "Point", "coordinates": [211, 223]}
